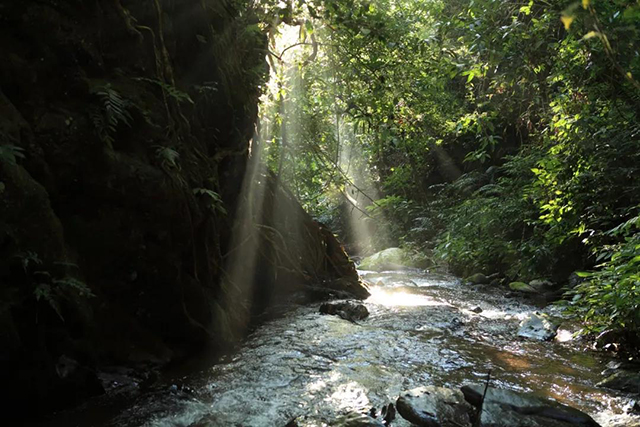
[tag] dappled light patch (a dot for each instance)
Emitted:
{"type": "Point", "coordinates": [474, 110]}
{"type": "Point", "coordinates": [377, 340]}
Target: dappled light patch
{"type": "Point", "coordinates": [394, 298]}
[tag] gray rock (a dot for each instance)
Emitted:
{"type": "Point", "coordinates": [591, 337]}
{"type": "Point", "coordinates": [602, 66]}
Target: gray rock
{"type": "Point", "coordinates": [506, 408]}
{"type": "Point", "coordinates": [537, 327]}
{"type": "Point", "coordinates": [623, 380]}
{"type": "Point", "coordinates": [541, 285]}
{"type": "Point", "coordinates": [356, 420]}
{"type": "Point", "coordinates": [478, 279]}
{"type": "Point", "coordinates": [348, 310]}
{"type": "Point", "coordinates": [477, 309]}
{"type": "Point", "coordinates": [434, 407]}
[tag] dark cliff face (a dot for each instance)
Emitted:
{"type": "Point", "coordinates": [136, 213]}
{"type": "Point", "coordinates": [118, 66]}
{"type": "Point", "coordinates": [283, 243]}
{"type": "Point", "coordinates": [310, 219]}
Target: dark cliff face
{"type": "Point", "coordinates": [124, 132]}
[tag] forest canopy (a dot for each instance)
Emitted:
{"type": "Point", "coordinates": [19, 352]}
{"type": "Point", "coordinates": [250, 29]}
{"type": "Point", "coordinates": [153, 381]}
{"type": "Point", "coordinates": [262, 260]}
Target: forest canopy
{"type": "Point", "coordinates": [495, 136]}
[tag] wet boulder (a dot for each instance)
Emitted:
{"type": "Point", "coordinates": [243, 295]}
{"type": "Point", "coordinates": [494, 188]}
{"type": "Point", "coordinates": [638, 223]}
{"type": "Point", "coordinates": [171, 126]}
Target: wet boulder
{"type": "Point", "coordinates": [434, 407]}
{"type": "Point", "coordinates": [506, 408]}
{"type": "Point", "coordinates": [348, 310]}
{"type": "Point", "coordinates": [622, 380]}
{"type": "Point", "coordinates": [537, 327]}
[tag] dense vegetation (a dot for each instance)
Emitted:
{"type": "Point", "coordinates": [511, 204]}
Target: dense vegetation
{"type": "Point", "coordinates": [497, 136]}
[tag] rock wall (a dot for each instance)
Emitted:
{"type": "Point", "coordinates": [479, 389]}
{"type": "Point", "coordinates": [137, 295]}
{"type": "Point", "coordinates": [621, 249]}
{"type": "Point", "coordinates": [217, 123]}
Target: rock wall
{"type": "Point", "coordinates": [124, 135]}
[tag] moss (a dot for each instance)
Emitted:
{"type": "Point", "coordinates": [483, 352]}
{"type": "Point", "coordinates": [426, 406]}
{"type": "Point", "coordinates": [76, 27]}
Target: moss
{"type": "Point", "coordinates": [522, 287]}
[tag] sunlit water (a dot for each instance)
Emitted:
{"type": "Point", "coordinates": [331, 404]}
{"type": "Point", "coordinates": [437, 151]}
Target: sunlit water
{"type": "Point", "coordinates": [421, 331]}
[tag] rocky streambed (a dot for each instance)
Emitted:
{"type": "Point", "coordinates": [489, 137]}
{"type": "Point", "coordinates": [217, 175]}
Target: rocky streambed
{"type": "Point", "coordinates": [425, 333]}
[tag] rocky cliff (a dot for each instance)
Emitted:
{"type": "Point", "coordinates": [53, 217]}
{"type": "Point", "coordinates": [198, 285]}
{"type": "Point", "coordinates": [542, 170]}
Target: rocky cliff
{"type": "Point", "coordinates": [124, 136]}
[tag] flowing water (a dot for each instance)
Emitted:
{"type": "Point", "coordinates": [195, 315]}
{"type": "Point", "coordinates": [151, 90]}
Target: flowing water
{"type": "Point", "coordinates": [421, 331]}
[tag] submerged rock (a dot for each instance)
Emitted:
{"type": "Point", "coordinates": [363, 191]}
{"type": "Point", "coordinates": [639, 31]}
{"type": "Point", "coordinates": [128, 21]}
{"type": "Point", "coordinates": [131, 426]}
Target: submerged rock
{"type": "Point", "coordinates": [478, 279]}
{"type": "Point", "coordinates": [506, 408]}
{"type": "Point", "coordinates": [537, 327]}
{"type": "Point", "coordinates": [434, 407]}
{"type": "Point", "coordinates": [348, 310]}
{"type": "Point", "coordinates": [623, 380]}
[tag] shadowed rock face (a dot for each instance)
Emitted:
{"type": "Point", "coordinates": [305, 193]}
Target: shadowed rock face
{"type": "Point", "coordinates": [124, 132]}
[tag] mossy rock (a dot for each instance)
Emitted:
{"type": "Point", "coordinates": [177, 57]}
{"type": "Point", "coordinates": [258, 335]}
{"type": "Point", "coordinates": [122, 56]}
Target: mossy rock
{"type": "Point", "coordinates": [478, 279]}
{"type": "Point", "coordinates": [522, 287]}
{"type": "Point", "coordinates": [394, 259]}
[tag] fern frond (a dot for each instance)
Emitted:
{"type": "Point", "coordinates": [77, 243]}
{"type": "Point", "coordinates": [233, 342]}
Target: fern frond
{"type": "Point", "coordinates": [44, 291]}
{"type": "Point", "coordinates": [76, 285]}
{"type": "Point", "coordinates": [114, 110]}
{"type": "Point", "coordinates": [100, 126]}
{"type": "Point", "coordinates": [30, 259]}
{"type": "Point", "coordinates": [215, 201]}
{"type": "Point", "coordinates": [11, 153]}
{"type": "Point", "coordinates": [168, 157]}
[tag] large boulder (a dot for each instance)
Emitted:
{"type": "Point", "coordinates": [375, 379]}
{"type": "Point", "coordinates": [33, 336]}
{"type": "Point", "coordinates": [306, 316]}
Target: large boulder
{"type": "Point", "coordinates": [537, 327]}
{"type": "Point", "coordinates": [434, 407]}
{"type": "Point", "coordinates": [506, 408]}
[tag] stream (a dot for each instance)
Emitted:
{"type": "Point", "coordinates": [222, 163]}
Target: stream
{"type": "Point", "coordinates": [421, 331]}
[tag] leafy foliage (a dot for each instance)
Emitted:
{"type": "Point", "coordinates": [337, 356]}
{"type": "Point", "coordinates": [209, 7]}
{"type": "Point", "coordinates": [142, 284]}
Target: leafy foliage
{"type": "Point", "coordinates": [113, 111]}
{"type": "Point", "coordinates": [11, 153]}
{"type": "Point", "coordinates": [49, 287]}
{"type": "Point", "coordinates": [610, 297]}
{"type": "Point", "coordinates": [502, 134]}
{"type": "Point", "coordinates": [214, 202]}
{"type": "Point", "coordinates": [169, 158]}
